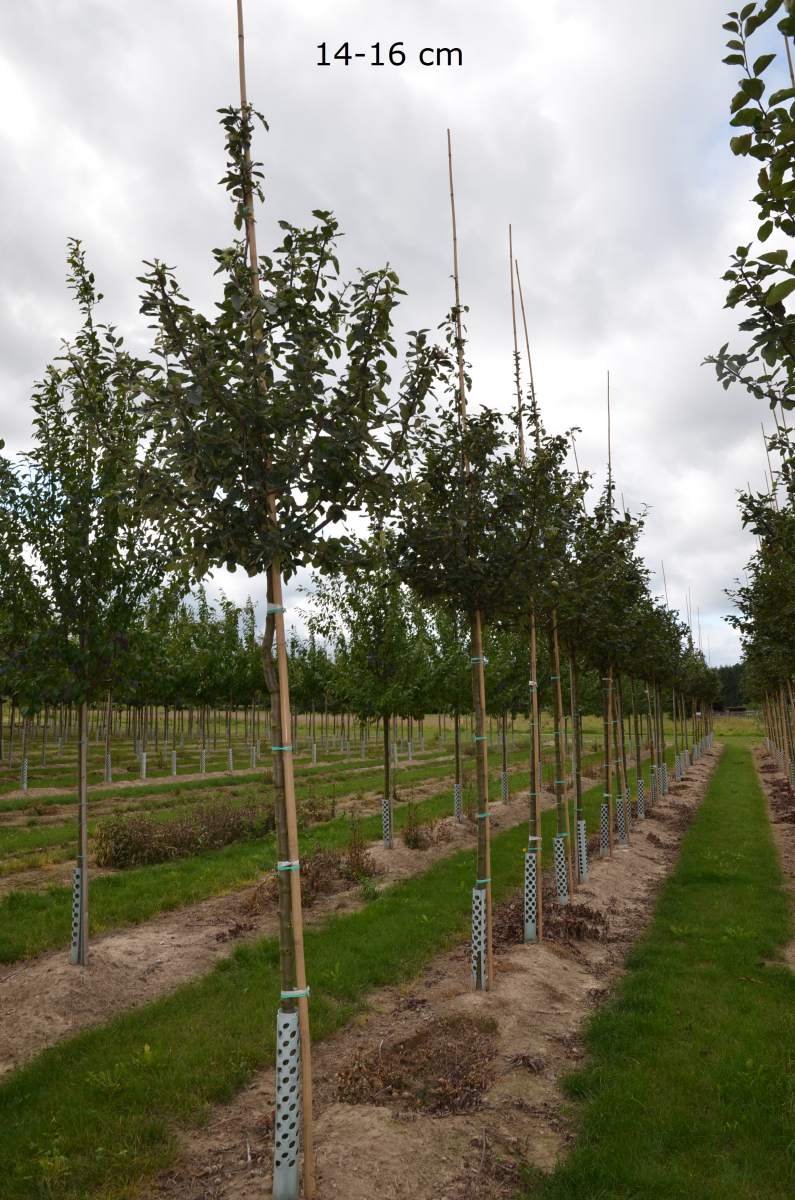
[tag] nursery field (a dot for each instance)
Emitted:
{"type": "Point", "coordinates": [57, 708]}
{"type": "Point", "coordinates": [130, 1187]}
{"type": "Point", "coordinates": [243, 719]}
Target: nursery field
{"type": "Point", "coordinates": [692, 907]}
{"type": "Point", "coordinates": [446, 863]}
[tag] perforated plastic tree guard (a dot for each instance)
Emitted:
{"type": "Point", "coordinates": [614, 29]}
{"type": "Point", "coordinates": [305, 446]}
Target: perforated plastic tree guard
{"type": "Point", "coordinates": [386, 822]}
{"type": "Point", "coordinates": [504, 786]}
{"type": "Point", "coordinates": [641, 800]}
{"type": "Point", "coordinates": [621, 821]}
{"type": "Point", "coordinates": [479, 970]}
{"type": "Point", "coordinates": [410, 750]}
{"type": "Point", "coordinates": [314, 753]}
{"type": "Point", "coordinates": [604, 829]}
{"type": "Point", "coordinates": [142, 762]}
{"type": "Point", "coordinates": [458, 801]}
{"type": "Point", "coordinates": [203, 761]}
{"type": "Point", "coordinates": [23, 775]}
{"type": "Point", "coordinates": [531, 894]}
{"type": "Point", "coordinates": [230, 762]}
{"type": "Point", "coordinates": [561, 874]}
{"type": "Point", "coordinates": [287, 1141]}
{"type": "Point", "coordinates": [582, 851]}
{"type": "Point", "coordinates": [77, 912]}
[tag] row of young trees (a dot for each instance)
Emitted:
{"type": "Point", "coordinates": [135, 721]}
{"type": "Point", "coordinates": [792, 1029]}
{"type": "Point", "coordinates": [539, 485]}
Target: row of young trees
{"type": "Point", "coordinates": [246, 439]}
{"type": "Point", "coordinates": [761, 282]}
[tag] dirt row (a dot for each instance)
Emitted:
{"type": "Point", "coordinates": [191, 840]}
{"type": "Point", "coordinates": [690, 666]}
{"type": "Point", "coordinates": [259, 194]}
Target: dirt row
{"type": "Point", "coordinates": [441, 1091]}
{"type": "Point", "coordinates": [47, 999]}
{"type": "Point", "coordinates": [781, 808]}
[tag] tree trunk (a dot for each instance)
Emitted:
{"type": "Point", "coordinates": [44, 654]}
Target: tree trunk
{"type": "Point", "coordinates": [483, 879]}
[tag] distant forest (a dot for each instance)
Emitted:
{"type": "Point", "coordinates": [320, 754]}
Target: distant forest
{"type": "Point", "coordinates": [732, 687]}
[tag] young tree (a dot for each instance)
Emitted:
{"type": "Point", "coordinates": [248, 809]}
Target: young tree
{"type": "Point", "coordinates": [92, 555]}
{"type": "Point", "coordinates": [273, 418]}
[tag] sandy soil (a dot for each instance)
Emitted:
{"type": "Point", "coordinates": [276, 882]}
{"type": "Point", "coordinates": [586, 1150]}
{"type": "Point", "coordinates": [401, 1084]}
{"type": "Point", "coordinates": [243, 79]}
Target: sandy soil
{"type": "Point", "coordinates": [47, 999]}
{"type": "Point", "coordinates": [781, 807]}
{"type": "Point", "coordinates": [541, 997]}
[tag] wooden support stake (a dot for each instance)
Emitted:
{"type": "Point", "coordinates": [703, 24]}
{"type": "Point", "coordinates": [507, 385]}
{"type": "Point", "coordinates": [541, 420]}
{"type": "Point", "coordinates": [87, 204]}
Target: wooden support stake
{"type": "Point", "coordinates": [291, 922]}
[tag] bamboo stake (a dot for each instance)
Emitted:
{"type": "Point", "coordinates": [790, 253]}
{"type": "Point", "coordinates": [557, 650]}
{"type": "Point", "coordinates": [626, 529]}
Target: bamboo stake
{"type": "Point", "coordinates": [537, 773]}
{"type": "Point", "coordinates": [560, 789]}
{"type": "Point", "coordinates": [607, 708]}
{"type": "Point", "coordinates": [478, 671]}
{"type": "Point", "coordinates": [285, 757]}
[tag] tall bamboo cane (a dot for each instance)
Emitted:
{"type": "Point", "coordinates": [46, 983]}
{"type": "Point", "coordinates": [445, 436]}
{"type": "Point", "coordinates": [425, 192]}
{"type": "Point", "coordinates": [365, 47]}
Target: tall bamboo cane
{"type": "Point", "coordinates": [535, 845]}
{"type": "Point", "coordinates": [294, 983]}
{"type": "Point", "coordinates": [483, 879]}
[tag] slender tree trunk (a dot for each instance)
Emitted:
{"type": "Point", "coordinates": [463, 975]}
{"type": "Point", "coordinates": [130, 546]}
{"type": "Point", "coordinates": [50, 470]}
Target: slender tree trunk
{"type": "Point", "coordinates": [388, 788]}
{"type": "Point", "coordinates": [536, 772]}
{"type": "Point", "coordinates": [607, 706]}
{"type": "Point", "coordinates": [481, 772]}
{"type": "Point", "coordinates": [576, 721]}
{"type": "Point", "coordinates": [564, 824]}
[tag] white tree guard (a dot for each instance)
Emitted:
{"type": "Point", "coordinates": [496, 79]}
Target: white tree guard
{"type": "Point", "coordinates": [142, 764]}
{"type": "Point", "coordinates": [386, 822]}
{"type": "Point", "coordinates": [582, 851]}
{"type": "Point", "coordinates": [531, 893]}
{"type": "Point", "coordinates": [287, 1126]}
{"type": "Point", "coordinates": [561, 874]}
{"type": "Point", "coordinates": [478, 952]}
{"type": "Point", "coordinates": [202, 762]}
{"type": "Point", "coordinates": [504, 786]}
{"type": "Point", "coordinates": [641, 799]}
{"type": "Point", "coordinates": [23, 774]}
{"type": "Point", "coordinates": [621, 822]}
{"type": "Point", "coordinates": [604, 829]}
{"type": "Point", "coordinates": [77, 916]}
{"type": "Point", "coordinates": [458, 802]}
{"type": "Point", "coordinates": [314, 754]}
{"type": "Point", "coordinates": [230, 760]}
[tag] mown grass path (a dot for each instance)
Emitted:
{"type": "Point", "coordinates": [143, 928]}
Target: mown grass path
{"type": "Point", "coordinates": [90, 1117]}
{"type": "Point", "coordinates": [690, 1088]}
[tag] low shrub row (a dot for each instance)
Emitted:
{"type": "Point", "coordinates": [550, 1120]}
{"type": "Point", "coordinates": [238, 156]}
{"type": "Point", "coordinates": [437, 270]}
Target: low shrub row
{"type": "Point", "coordinates": [139, 840]}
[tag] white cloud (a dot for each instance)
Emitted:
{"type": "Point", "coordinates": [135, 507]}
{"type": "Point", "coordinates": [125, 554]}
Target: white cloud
{"type": "Point", "coordinates": [600, 131]}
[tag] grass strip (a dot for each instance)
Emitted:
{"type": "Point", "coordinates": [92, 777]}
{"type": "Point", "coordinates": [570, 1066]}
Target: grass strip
{"type": "Point", "coordinates": [689, 1090]}
{"type": "Point", "coordinates": [95, 1115]}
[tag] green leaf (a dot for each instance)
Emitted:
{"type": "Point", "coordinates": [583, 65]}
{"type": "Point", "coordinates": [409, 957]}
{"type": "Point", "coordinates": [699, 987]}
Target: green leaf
{"type": "Point", "coordinates": [753, 87]}
{"type": "Point", "coordinates": [742, 143]}
{"type": "Point", "coordinates": [765, 231]}
{"type": "Point", "coordinates": [747, 116]}
{"type": "Point", "coordinates": [734, 60]}
{"type": "Point", "coordinates": [779, 291]}
{"type": "Point", "coordinates": [746, 10]}
{"type": "Point", "coordinates": [777, 257]}
{"type": "Point", "coordinates": [762, 63]}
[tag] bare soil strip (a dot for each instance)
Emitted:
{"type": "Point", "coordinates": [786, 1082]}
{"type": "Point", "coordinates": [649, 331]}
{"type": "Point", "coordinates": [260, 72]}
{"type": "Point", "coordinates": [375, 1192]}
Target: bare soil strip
{"type": "Point", "coordinates": [46, 999]}
{"type": "Point", "coordinates": [781, 807]}
{"type": "Point", "coordinates": [401, 1114]}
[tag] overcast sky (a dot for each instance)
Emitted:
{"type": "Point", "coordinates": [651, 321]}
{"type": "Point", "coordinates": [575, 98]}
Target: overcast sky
{"type": "Point", "coordinates": [599, 129]}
